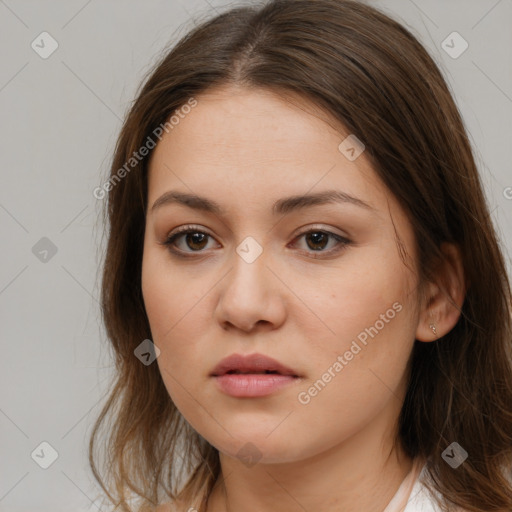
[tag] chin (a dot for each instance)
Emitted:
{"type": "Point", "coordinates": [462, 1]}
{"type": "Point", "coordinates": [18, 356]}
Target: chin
{"type": "Point", "coordinates": [260, 448]}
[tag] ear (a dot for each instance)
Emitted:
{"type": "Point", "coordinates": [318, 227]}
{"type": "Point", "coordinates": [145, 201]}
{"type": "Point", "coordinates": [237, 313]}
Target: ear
{"type": "Point", "coordinates": [444, 297]}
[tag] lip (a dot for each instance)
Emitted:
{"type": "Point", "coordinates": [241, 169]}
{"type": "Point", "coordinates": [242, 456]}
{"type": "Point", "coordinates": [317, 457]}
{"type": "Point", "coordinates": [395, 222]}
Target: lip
{"type": "Point", "coordinates": [252, 363]}
{"type": "Point", "coordinates": [252, 383]}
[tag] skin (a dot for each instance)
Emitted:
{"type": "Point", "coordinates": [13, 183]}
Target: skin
{"type": "Point", "coordinates": [246, 148]}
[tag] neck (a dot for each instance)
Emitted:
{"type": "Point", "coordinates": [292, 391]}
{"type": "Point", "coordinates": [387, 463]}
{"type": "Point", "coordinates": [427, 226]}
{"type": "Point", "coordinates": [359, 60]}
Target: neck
{"type": "Point", "coordinates": [361, 473]}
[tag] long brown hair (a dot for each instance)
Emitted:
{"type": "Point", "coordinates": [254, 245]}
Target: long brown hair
{"type": "Point", "coordinates": [370, 73]}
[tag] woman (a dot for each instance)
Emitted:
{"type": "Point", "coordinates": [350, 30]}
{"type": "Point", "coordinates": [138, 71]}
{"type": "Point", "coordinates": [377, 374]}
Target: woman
{"type": "Point", "coordinates": [302, 286]}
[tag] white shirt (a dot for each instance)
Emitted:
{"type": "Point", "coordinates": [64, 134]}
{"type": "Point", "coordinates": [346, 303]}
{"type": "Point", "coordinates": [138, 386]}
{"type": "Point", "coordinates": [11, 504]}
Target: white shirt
{"type": "Point", "coordinates": [412, 495]}
{"type": "Point", "coordinates": [420, 500]}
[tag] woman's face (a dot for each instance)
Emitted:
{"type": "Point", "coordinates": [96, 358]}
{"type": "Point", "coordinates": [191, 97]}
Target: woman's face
{"type": "Point", "coordinates": [340, 313]}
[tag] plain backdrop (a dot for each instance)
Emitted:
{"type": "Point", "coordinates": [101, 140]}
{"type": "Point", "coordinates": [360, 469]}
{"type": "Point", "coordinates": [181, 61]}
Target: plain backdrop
{"type": "Point", "coordinates": [60, 117]}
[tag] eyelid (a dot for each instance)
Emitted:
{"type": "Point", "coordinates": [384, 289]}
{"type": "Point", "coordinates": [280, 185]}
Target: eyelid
{"type": "Point", "coordinates": [189, 227]}
{"type": "Point", "coordinates": [342, 240]}
{"type": "Point", "coordinates": [299, 231]}
{"type": "Point", "coordinates": [319, 227]}
{"type": "Point", "coordinates": [185, 229]}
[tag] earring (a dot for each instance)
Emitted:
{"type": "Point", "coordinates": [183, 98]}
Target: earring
{"type": "Point", "coordinates": [433, 325]}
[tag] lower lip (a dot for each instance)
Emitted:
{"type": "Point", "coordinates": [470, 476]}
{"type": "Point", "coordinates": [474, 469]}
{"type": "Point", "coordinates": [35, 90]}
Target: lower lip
{"type": "Point", "coordinates": [252, 384]}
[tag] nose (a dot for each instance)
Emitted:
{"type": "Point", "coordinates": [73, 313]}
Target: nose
{"type": "Point", "coordinates": [250, 297]}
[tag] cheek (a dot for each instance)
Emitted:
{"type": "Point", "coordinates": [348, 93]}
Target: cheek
{"type": "Point", "coordinates": [339, 303]}
{"type": "Point", "coordinates": [356, 374]}
{"type": "Point", "coordinates": [368, 320]}
{"type": "Point", "coordinates": [169, 313]}
{"type": "Point", "coordinates": [170, 295]}
{"type": "Point", "coordinates": [172, 300]}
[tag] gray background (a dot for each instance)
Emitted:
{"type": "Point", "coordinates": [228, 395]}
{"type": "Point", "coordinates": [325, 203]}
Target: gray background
{"type": "Point", "coordinates": [60, 118]}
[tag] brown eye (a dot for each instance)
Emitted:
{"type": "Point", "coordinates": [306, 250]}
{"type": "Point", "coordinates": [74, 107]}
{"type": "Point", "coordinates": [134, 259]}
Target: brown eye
{"type": "Point", "coordinates": [194, 241]}
{"type": "Point", "coordinates": [318, 240]}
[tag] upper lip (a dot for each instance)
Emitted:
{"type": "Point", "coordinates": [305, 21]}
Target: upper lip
{"type": "Point", "coordinates": [253, 363]}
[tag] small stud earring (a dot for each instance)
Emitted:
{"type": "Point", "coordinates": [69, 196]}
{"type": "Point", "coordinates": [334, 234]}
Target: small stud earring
{"type": "Point", "coordinates": [433, 325]}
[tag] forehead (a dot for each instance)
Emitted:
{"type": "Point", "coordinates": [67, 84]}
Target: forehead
{"type": "Point", "coordinates": [256, 138]}
{"type": "Point", "coordinates": [232, 117]}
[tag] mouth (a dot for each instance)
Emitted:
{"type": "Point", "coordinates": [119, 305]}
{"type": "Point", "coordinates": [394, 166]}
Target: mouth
{"type": "Point", "coordinates": [252, 376]}
{"type": "Point", "coordinates": [255, 364]}
{"type": "Point", "coordinates": [253, 372]}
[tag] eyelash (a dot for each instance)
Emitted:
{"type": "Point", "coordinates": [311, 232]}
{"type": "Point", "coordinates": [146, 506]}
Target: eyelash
{"type": "Point", "coordinates": [170, 241]}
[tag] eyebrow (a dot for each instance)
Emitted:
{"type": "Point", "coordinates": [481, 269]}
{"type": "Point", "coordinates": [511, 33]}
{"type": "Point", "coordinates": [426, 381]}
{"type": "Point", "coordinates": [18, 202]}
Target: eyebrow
{"type": "Point", "coordinates": [280, 207]}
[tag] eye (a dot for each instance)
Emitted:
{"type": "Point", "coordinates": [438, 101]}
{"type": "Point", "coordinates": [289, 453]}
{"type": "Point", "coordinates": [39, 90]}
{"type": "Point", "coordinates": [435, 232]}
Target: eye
{"type": "Point", "coordinates": [197, 240]}
{"type": "Point", "coordinates": [317, 240]}
{"type": "Point", "coordinates": [194, 238]}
